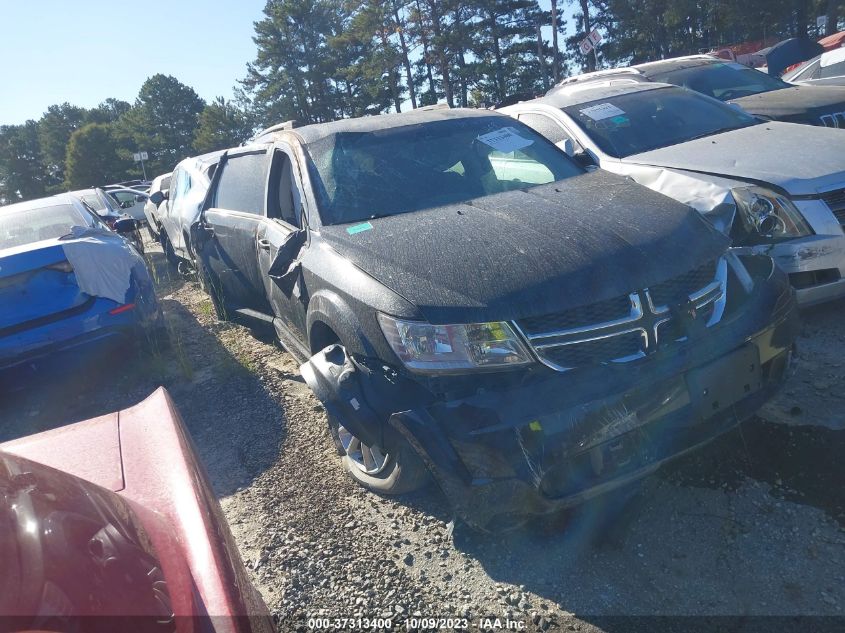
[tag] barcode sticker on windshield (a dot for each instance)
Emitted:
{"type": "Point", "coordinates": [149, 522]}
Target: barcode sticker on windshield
{"type": "Point", "coordinates": [505, 140]}
{"type": "Point", "coordinates": [602, 111]}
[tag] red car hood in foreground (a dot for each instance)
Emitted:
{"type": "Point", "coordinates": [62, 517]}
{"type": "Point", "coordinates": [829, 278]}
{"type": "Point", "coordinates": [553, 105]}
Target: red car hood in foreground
{"type": "Point", "coordinates": [164, 518]}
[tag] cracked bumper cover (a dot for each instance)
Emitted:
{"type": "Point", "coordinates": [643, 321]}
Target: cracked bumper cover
{"type": "Point", "coordinates": [554, 440]}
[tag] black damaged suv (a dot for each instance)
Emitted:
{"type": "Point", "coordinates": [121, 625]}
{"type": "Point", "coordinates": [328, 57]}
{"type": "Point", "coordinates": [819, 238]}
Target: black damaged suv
{"type": "Point", "coordinates": [471, 305]}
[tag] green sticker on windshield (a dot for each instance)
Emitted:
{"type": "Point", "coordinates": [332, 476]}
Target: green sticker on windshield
{"type": "Point", "coordinates": [619, 120]}
{"type": "Point", "coordinates": [359, 228]}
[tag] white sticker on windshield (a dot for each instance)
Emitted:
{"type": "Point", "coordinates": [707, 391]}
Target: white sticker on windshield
{"type": "Point", "coordinates": [505, 140]}
{"type": "Point", "coordinates": [602, 111]}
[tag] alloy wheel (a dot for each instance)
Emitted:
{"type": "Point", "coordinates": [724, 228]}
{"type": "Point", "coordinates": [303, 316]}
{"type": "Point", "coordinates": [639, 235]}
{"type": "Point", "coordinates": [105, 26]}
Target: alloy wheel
{"type": "Point", "coordinates": [369, 459]}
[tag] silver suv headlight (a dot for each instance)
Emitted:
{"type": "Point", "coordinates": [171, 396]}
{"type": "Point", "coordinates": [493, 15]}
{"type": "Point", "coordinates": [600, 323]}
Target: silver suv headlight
{"type": "Point", "coordinates": [769, 215]}
{"type": "Point", "coordinates": [426, 348]}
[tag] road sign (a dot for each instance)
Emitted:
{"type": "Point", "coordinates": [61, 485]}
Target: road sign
{"type": "Point", "coordinates": [139, 156]}
{"type": "Point", "coordinates": [144, 156]}
{"type": "Point", "coordinates": [590, 42]}
{"type": "Point", "coordinates": [821, 23]}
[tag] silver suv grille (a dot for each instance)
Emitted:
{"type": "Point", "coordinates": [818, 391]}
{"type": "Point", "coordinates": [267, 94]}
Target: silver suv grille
{"type": "Point", "coordinates": [632, 326]}
{"type": "Point", "coordinates": [836, 201]}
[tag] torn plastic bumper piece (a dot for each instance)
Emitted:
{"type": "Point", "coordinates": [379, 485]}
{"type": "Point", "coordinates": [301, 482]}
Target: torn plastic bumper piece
{"type": "Point", "coordinates": [361, 394]}
{"type": "Point", "coordinates": [554, 440]}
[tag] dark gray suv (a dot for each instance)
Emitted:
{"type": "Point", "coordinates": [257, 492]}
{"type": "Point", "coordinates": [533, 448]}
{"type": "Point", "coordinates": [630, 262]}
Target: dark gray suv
{"type": "Point", "coordinates": [471, 305]}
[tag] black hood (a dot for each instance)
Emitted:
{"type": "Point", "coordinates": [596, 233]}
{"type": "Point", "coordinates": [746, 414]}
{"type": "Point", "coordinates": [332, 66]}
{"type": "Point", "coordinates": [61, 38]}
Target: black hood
{"type": "Point", "coordinates": [533, 251]}
{"type": "Point", "coordinates": [798, 104]}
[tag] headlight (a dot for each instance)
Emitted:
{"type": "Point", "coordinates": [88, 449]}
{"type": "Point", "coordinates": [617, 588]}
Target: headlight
{"type": "Point", "coordinates": [768, 216]}
{"type": "Point", "coordinates": [427, 348]}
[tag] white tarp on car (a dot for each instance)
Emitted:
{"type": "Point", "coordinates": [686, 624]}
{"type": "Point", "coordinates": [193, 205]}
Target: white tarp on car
{"type": "Point", "coordinates": [103, 262]}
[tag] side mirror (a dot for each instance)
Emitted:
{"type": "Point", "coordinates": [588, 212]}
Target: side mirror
{"type": "Point", "coordinates": [125, 225]}
{"type": "Point", "coordinates": [567, 146]}
{"type": "Point", "coordinates": [158, 197]}
{"type": "Point", "coordinates": [584, 159]}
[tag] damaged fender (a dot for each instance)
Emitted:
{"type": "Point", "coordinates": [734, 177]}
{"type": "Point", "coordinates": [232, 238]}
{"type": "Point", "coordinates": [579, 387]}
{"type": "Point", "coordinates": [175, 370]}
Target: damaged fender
{"type": "Point", "coordinates": [361, 394]}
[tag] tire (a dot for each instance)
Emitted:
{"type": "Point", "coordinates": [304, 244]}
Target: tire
{"type": "Point", "coordinates": [169, 253]}
{"type": "Point", "coordinates": [218, 300]}
{"type": "Point", "coordinates": [402, 471]}
{"type": "Point", "coordinates": [138, 241]}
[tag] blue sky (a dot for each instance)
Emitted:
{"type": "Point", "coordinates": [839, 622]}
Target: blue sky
{"type": "Point", "coordinates": [83, 51]}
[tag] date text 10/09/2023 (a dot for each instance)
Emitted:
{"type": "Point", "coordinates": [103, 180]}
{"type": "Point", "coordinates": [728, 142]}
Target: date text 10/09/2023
{"type": "Point", "coordinates": [414, 623]}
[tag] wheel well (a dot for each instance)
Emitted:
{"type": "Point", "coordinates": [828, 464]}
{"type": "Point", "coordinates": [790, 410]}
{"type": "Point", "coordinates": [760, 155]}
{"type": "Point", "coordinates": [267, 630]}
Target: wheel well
{"type": "Point", "coordinates": [321, 336]}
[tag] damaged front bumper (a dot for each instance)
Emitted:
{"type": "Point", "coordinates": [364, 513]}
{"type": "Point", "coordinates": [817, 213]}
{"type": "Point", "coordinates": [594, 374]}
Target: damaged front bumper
{"type": "Point", "coordinates": [553, 440]}
{"type": "Point", "coordinates": [815, 264]}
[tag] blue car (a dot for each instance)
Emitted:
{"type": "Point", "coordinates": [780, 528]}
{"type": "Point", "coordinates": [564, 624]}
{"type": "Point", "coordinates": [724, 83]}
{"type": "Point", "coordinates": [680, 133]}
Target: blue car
{"type": "Point", "coordinates": [69, 283]}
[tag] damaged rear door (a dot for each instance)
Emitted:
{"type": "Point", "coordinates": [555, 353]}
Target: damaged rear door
{"type": "Point", "coordinates": [231, 226]}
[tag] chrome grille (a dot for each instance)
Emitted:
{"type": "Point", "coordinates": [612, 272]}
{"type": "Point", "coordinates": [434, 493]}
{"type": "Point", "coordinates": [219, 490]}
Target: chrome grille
{"type": "Point", "coordinates": [833, 119]}
{"type": "Point", "coordinates": [679, 288]}
{"type": "Point", "coordinates": [624, 346]}
{"type": "Point", "coordinates": [836, 201]}
{"type": "Point", "coordinates": [629, 327]}
{"type": "Point", "coordinates": [599, 312]}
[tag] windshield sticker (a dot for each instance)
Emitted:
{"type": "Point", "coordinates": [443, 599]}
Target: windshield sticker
{"type": "Point", "coordinates": [602, 111]}
{"type": "Point", "coordinates": [505, 140]}
{"type": "Point", "coordinates": [359, 228]}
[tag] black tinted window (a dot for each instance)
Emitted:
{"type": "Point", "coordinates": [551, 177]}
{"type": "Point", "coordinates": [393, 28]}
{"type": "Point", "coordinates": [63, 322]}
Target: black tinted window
{"type": "Point", "coordinates": [283, 201]}
{"type": "Point", "coordinates": [241, 186]}
{"type": "Point", "coordinates": [724, 81]}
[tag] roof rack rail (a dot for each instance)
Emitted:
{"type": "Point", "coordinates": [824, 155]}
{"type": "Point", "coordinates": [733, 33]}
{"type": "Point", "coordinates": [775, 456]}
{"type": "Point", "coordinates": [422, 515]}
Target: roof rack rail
{"type": "Point", "coordinates": [287, 125]}
{"type": "Point", "coordinates": [436, 106]}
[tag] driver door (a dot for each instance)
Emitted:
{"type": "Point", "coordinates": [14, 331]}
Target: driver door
{"type": "Point", "coordinates": [281, 239]}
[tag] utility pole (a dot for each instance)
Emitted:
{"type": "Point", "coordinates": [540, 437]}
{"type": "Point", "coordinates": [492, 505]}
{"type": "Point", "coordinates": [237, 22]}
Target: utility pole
{"type": "Point", "coordinates": [555, 67]}
{"type": "Point", "coordinates": [585, 10]}
{"type": "Point", "coordinates": [541, 58]}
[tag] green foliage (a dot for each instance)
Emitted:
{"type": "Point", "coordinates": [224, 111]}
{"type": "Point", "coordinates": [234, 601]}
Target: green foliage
{"type": "Point", "coordinates": [221, 125]}
{"type": "Point", "coordinates": [22, 174]}
{"type": "Point", "coordinates": [54, 130]}
{"type": "Point", "coordinates": [92, 157]}
{"type": "Point", "coordinates": [109, 111]}
{"type": "Point", "coordinates": [162, 122]}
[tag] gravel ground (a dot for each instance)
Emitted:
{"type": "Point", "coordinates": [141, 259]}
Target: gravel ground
{"type": "Point", "coordinates": [750, 525]}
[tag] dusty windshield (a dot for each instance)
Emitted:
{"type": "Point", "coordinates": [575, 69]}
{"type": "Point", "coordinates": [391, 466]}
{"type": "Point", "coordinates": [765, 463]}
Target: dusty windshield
{"type": "Point", "coordinates": [374, 174]}
{"type": "Point", "coordinates": [18, 228]}
{"type": "Point", "coordinates": [638, 122]}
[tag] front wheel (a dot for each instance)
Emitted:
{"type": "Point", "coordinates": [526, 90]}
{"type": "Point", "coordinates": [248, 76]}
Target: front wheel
{"type": "Point", "coordinates": [169, 253]}
{"type": "Point", "coordinates": [390, 472]}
